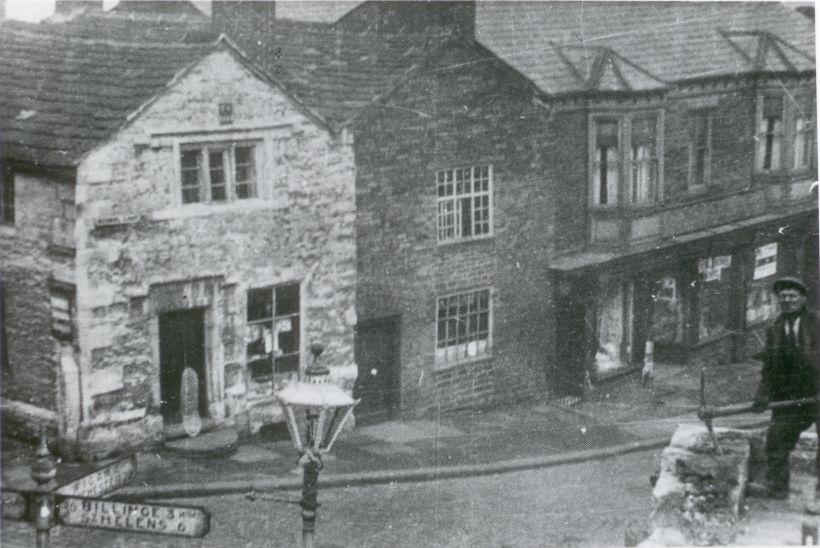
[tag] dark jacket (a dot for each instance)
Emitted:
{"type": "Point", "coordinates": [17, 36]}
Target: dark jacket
{"type": "Point", "coordinates": [790, 375]}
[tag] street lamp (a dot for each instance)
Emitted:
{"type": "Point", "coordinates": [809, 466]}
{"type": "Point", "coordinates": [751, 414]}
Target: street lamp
{"type": "Point", "coordinates": [324, 405]}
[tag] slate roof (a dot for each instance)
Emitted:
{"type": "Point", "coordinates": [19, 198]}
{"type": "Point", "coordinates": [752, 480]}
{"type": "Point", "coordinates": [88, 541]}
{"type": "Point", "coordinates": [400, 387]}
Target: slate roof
{"type": "Point", "coordinates": [567, 47]}
{"type": "Point", "coordinates": [66, 87]}
{"type": "Point", "coordinates": [62, 95]}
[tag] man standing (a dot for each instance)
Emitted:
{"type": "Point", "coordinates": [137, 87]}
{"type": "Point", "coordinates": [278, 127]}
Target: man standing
{"type": "Point", "coordinates": [790, 371]}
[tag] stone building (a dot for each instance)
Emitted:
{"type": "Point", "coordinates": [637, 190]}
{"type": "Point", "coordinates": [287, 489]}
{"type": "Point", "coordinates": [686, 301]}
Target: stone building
{"type": "Point", "coordinates": [165, 205]}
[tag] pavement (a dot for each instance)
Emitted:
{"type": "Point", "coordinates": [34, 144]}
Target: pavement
{"type": "Point", "coordinates": [622, 417]}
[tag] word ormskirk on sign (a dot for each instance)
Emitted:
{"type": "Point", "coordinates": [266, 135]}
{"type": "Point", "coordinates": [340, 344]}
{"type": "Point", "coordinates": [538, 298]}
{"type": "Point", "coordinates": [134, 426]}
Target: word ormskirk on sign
{"type": "Point", "coordinates": [187, 521]}
{"type": "Point", "coordinates": [103, 480]}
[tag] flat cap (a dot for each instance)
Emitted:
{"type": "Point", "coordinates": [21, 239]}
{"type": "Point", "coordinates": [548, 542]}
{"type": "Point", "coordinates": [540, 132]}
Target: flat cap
{"type": "Point", "coordinates": [789, 282]}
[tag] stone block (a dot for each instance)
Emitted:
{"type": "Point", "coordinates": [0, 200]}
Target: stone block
{"type": "Point", "coordinates": [699, 493]}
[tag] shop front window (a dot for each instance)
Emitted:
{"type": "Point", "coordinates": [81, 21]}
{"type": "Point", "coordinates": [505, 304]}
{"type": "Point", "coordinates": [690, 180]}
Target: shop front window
{"type": "Point", "coordinates": [667, 312]}
{"type": "Point", "coordinates": [714, 289]}
{"type": "Point", "coordinates": [760, 303]}
{"type": "Point", "coordinates": [614, 327]}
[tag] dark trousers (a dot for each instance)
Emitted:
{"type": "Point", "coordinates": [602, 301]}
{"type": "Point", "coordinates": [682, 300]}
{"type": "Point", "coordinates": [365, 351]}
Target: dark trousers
{"type": "Point", "coordinates": [782, 437]}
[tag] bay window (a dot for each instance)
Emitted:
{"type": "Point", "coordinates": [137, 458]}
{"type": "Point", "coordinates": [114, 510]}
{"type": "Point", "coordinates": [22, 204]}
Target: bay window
{"type": "Point", "coordinates": [626, 150]}
{"type": "Point", "coordinates": [769, 132]}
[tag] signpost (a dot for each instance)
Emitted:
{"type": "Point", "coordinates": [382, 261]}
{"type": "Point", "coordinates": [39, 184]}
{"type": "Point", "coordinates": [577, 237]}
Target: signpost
{"type": "Point", "coordinates": [103, 480]}
{"type": "Point", "coordinates": [75, 504]}
{"type": "Point", "coordinates": [186, 521]}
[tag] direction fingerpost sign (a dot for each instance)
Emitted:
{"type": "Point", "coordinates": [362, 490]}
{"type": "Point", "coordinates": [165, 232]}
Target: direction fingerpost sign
{"type": "Point", "coordinates": [103, 480]}
{"type": "Point", "coordinates": [74, 504]}
{"type": "Point", "coordinates": [187, 521]}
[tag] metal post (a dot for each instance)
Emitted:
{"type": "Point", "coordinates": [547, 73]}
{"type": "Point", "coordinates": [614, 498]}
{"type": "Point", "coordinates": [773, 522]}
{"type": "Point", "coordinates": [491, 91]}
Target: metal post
{"type": "Point", "coordinates": [310, 503]}
{"type": "Point", "coordinates": [43, 471]}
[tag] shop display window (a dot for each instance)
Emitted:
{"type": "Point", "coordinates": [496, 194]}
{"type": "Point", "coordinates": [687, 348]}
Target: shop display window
{"type": "Point", "coordinates": [714, 290]}
{"type": "Point", "coordinates": [760, 302]}
{"type": "Point", "coordinates": [615, 311]}
{"type": "Point", "coordinates": [667, 311]}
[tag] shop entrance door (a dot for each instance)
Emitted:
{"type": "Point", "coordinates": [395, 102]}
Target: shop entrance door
{"type": "Point", "coordinates": [181, 345]}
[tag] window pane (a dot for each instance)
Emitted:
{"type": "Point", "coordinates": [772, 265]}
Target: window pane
{"type": "Point", "coordinates": [191, 170]}
{"type": "Point", "coordinates": [244, 172]}
{"type": "Point", "coordinates": [260, 303]}
{"type": "Point", "coordinates": [607, 133]}
{"type": "Point", "coordinates": [216, 170]}
{"type": "Point", "coordinates": [287, 299]}
{"type": "Point", "coordinates": [773, 107]}
{"type": "Point", "coordinates": [287, 335]}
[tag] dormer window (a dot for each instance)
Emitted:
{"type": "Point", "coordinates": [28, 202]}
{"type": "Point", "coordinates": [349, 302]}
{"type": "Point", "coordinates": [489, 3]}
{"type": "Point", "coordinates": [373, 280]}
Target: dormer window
{"type": "Point", "coordinates": [769, 132]}
{"type": "Point", "coordinates": [218, 172]}
{"type": "Point", "coordinates": [802, 132]}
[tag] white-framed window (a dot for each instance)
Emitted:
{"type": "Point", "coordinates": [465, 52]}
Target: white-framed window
{"type": "Point", "coordinates": [218, 172]}
{"type": "Point", "coordinates": [769, 132]}
{"type": "Point", "coordinates": [626, 150]}
{"type": "Point", "coordinates": [463, 326]}
{"type": "Point", "coordinates": [274, 323]}
{"type": "Point", "coordinates": [464, 203]}
{"type": "Point", "coordinates": [802, 132]}
{"type": "Point", "coordinates": [700, 148]}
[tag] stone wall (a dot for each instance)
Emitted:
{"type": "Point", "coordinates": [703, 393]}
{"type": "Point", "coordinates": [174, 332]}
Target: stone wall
{"type": "Point", "coordinates": [29, 268]}
{"type": "Point", "coordinates": [464, 109]}
{"type": "Point", "coordinates": [141, 252]}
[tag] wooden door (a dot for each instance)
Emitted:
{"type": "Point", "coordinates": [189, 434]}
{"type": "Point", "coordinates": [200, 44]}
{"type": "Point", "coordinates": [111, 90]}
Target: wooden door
{"type": "Point", "coordinates": [377, 356]}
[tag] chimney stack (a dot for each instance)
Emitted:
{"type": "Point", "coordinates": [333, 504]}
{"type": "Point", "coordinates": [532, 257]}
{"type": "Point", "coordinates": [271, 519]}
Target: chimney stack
{"type": "Point", "coordinates": [235, 16]}
{"type": "Point", "coordinates": [70, 7]}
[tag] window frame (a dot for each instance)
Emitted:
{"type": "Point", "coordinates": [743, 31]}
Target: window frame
{"type": "Point", "coordinates": [272, 322]}
{"type": "Point", "coordinates": [626, 160]}
{"type": "Point", "coordinates": [795, 115]}
{"type": "Point", "coordinates": [454, 198]}
{"type": "Point", "coordinates": [204, 170]}
{"type": "Point", "coordinates": [762, 134]}
{"type": "Point", "coordinates": [7, 198]}
{"type": "Point", "coordinates": [694, 183]}
{"type": "Point", "coordinates": [441, 355]}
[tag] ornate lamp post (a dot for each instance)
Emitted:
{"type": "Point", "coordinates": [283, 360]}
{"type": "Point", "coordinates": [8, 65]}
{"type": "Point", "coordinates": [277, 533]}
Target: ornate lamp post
{"type": "Point", "coordinates": [327, 408]}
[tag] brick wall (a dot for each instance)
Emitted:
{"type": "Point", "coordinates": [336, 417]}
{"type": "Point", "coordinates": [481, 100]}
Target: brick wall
{"type": "Point", "coordinates": [167, 256]}
{"type": "Point", "coordinates": [476, 112]}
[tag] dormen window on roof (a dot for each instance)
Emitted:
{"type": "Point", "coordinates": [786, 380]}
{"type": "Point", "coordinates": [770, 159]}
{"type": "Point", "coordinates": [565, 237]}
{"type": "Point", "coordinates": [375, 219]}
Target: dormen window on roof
{"type": "Point", "coordinates": [218, 172]}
